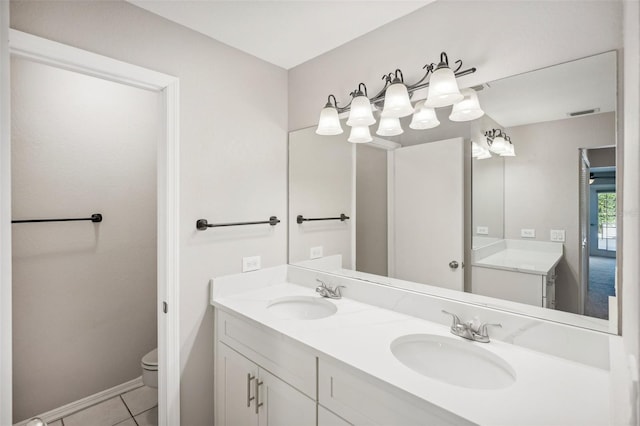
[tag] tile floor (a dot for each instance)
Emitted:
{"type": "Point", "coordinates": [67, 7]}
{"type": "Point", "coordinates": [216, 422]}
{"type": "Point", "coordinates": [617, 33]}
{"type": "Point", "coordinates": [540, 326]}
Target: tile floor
{"type": "Point", "coordinates": [138, 407]}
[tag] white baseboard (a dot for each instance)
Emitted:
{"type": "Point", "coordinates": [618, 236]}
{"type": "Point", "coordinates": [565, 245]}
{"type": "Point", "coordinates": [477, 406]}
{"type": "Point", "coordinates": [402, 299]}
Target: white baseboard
{"type": "Point", "coordinates": [81, 404]}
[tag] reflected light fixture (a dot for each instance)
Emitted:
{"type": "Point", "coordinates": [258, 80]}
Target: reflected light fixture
{"type": "Point", "coordinates": [360, 134]}
{"type": "Point", "coordinates": [424, 118]}
{"type": "Point", "coordinates": [389, 126]}
{"type": "Point", "coordinates": [468, 108]}
{"type": "Point", "coordinates": [499, 143]}
{"type": "Point", "coordinates": [478, 151]}
{"type": "Point", "coordinates": [329, 122]}
{"type": "Point", "coordinates": [395, 96]}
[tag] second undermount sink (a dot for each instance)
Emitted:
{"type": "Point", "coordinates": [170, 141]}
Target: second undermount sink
{"type": "Point", "coordinates": [302, 307]}
{"type": "Point", "coordinates": [455, 361]}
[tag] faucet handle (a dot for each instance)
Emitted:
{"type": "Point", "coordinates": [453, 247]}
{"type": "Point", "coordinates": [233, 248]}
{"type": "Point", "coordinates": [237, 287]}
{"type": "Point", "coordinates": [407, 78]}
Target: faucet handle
{"type": "Point", "coordinates": [482, 330]}
{"type": "Point", "coordinates": [322, 284]}
{"type": "Point", "coordinates": [456, 320]}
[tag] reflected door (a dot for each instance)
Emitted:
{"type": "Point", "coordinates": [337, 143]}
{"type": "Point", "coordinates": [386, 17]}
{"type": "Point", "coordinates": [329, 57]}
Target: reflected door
{"type": "Point", "coordinates": [426, 210]}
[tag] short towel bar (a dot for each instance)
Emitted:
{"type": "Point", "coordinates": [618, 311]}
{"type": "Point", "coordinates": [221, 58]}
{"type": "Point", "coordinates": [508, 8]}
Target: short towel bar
{"type": "Point", "coordinates": [202, 224]}
{"type": "Point", "coordinates": [301, 218]}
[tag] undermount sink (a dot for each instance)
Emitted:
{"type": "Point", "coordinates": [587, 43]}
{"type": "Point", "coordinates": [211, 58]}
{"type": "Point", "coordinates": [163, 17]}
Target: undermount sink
{"type": "Point", "coordinates": [455, 361]}
{"type": "Point", "coordinates": [302, 307]}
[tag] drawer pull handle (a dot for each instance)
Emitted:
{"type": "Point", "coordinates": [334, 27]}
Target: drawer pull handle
{"type": "Point", "coordinates": [249, 397]}
{"type": "Point", "coordinates": [258, 403]}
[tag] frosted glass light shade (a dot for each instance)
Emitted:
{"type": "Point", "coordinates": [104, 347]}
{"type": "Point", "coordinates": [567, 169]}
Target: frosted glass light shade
{"type": "Point", "coordinates": [443, 89]}
{"type": "Point", "coordinates": [468, 108]}
{"type": "Point", "coordinates": [476, 150]}
{"type": "Point", "coordinates": [484, 155]}
{"type": "Point", "coordinates": [509, 152]}
{"type": "Point", "coordinates": [389, 126]}
{"type": "Point", "coordinates": [499, 145]}
{"type": "Point", "coordinates": [396, 101]}
{"type": "Point", "coordinates": [360, 134]}
{"type": "Point", "coordinates": [424, 118]}
{"type": "Point", "coordinates": [329, 122]}
{"type": "Point", "coordinates": [360, 114]}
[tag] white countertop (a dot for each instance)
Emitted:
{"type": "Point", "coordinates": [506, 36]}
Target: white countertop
{"type": "Point", "coordinates": [548, 390]}
{"type": "Point", "coordinates": [529, 262]}
{"type": "Point", "coordinates": [530, 257]}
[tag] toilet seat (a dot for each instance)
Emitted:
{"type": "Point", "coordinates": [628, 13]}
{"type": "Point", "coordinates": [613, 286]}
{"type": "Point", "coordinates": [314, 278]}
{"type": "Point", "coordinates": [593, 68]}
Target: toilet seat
{"type": "Point", "coordinates": [150, 361]}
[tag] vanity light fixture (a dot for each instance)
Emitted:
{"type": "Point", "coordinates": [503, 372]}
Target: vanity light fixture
{"type": "Point", "coordinates": [389, 126]}
{"type": "Point", "coordinates": [396, 98]}
{"type": "Point", "coordinates": [424, 118]}
{"type": "Point", "coordinates": [396, 101]}
{"type": "Point", "coordinates": [360, 134]}
{"type": "Point", "coordinates": [468, 108]}
{"type": "Point", "coordinates": [443, 88]}
{"type": "Point", "coordinates": [360, 114]}
{"type": "Point", "coordinates": [329, 123]}
{"type": "Point", "coordinates": [499, 143]}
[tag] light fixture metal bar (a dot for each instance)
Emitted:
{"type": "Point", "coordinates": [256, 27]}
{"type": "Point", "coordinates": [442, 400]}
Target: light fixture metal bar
{"type": "Point", "coordinates": [379, 97]}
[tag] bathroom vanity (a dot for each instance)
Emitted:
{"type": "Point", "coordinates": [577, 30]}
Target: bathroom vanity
{"type": "Point", "coordinates": [519, 271]}
{"type": "Point", "coordinates": [286, 356]}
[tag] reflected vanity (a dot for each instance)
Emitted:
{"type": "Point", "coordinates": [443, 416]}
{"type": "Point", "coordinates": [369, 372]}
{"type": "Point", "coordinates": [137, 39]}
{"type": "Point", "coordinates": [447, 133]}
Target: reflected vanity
{"type": "Point", "coordinates": [511, 232]}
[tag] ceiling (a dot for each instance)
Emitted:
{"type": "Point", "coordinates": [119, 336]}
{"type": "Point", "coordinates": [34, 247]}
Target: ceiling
{"type": "Point", "coordinates": [284, 32]}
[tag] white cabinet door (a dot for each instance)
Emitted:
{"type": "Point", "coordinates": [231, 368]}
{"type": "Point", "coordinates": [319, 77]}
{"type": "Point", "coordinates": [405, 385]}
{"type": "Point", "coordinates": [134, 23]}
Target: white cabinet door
{"type": "Point", "coordinates": [327, 418]}
{"type": "Point", "coordinates": [235, 389]}
{"type": "Point", "coordinates": [282, 405]}
{"type": "Point", "coordinates": [427, 214]}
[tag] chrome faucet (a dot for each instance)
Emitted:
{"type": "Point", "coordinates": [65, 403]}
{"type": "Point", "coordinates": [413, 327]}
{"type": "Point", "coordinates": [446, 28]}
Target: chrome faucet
{"type": "Point", "coordinates": [328, 291]}
{"type": "Point", "coordinates": [469, 329]}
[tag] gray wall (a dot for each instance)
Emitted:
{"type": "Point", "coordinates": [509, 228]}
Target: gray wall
{"type": "Point", "coordinates": [542, 187]}
{"type": "Point", "coordinates": [320, 185]}
{"type": "Point", "coordinates": [84, 294]}
{"type": "Point", "coordinates": [230, 170]}
{"type": "Point", "coordinates": [371, 205]}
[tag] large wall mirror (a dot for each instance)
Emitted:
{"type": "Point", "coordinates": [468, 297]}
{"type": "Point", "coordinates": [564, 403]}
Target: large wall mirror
{"type": "Point", "coordinates": [441, 211]}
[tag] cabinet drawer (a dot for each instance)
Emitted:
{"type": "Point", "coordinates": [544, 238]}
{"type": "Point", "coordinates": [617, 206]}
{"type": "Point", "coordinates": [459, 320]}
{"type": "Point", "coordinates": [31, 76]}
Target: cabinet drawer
{"type": "Point", "coordinates": [272, 351]}
{"type": "Point", "coordinates": [365, 400]}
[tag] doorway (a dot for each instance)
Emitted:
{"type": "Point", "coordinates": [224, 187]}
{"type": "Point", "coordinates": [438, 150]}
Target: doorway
{"type": "Point", "coordinates": [26, 46]}
{"type": "Point", "coordinates": [600, 216]}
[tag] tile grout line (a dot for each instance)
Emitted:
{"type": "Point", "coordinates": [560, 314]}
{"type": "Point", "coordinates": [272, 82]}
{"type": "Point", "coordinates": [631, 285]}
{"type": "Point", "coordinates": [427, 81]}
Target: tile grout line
{"type": "Point", "coordinates": [127, 407]}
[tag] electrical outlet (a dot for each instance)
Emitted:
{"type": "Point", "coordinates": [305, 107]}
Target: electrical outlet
{"type": "Point", "coordinates": [528, 233]}
{"type": "Point", "coordinates": [482, 230]}
{"type": "Point", "coordinates": [557, 235]}
{"type": "Point", "coordinates": [315, 252]}
{"type": "Point", "coordinates": [251, 263]}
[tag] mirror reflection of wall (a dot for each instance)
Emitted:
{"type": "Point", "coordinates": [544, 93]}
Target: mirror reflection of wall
{"type": "Point", "coordinates": [521, 226]}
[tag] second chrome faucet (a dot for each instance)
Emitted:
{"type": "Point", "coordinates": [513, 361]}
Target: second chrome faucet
{"type": "Point", "coordinates": [469, 329]}
{"type": "Point", "coordinates": [328, 291]}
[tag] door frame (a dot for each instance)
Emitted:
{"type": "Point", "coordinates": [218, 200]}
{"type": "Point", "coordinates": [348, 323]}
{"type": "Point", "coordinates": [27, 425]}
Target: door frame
{"type": "Point", "coordinates": [48, 52]}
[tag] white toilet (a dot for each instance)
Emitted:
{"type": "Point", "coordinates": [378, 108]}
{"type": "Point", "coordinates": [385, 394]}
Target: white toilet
{"type": "Point", "coordinates": [150, 369]}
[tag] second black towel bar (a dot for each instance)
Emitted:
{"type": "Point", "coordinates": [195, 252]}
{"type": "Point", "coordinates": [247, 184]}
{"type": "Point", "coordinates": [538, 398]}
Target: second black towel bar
{"type": "Point", "coordinates": [301, 218]}
{"type": "Point", "coordinates": [95, 218]}
{"type": "Point", "coordinates": [202, 224]}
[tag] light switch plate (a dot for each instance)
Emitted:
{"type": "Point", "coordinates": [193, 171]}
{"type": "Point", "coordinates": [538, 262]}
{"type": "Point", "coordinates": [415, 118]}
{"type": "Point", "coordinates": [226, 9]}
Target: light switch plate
{"type": "Point", "coordinates": [482, 230]}
{"type": "Point", "coordinates": [315, 252]}
{"type": "Point", "coordinates": [528, 233]}
{"type": "Point", "coordinates": [557, 235]}
{"type": "Point", "coordinates": [251, 263]}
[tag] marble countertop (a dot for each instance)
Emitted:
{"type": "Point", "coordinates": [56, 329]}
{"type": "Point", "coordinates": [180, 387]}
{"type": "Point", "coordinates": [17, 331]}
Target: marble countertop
{"type": "Point", "coordinates": [548, 390]}
{"type": "Point", "coordinates": [518, 260]}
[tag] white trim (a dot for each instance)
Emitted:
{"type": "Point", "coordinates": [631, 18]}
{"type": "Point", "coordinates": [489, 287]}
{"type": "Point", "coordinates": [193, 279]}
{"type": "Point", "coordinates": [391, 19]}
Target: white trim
{"type": "Point", "coordinates": [6, 380]}
{"type": "Point", "coordinates": [63, 56]}
{"type": "Point", "coordinates": [391, 212]}
{"type": "Point", "coordinates": [81, 404]}
{"type": "Point", "coordinates": [384, 144]}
